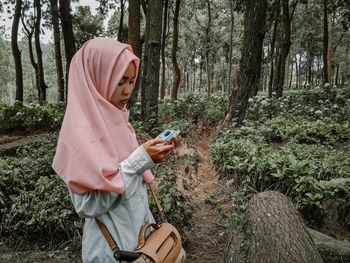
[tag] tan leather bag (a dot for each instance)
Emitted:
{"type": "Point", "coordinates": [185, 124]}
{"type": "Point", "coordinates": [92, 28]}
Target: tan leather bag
{"type": "Point", "coordinates": [162, 245]}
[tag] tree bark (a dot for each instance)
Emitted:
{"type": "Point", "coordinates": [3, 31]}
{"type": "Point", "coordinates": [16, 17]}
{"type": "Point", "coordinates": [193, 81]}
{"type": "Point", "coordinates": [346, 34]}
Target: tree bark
{"type": "Point", "coordinates": [57, 43]}
{"type": "Point", "coordinates": [165, 21]}
{"type": "Point", "coordinates": [286, 80]}
{"type": "Point", "coordinates": [273, 42]}
{"type": "Point", "coordinates": [145, 62]}
{"type": "Point", "coordinates": [42, 85]}
{"type": "Point", "coordinates": [231, 46]}
{"type": "Point", "coordinates": [68, 36]}
{"type": "Point", "coordinates": [291, 74]}
{"type": "Point", "coordinates": [330, 49]}
{"type": "Point", "coordinates": [16, 52]}
{"type": "Point", "coordinates": [271, 230]}
{"type": "Point", "coordinates": [29, 33]}
{"type": "Point", "coordinates": [250, 64]}
{"type": "Point", "coordinates": [331, 250]}
{"type": "Point", "coordinates": [200, 76]}
{"type": "Point", "coordinates": [285, 47]}
{"type": "Point", "coordinates": [347, 75]}
{"type": "Point", "coordinates": [177, 72]}
{"type": "Point", "coordinates": [120, 29]}
{"type": "Point", "coordinates": [208, 47]}
{"type": "Point", "coordinates": [152, 72]}
{"type": "Point", "coordinates": [325, 41]}
{"type": "Point", "coordinates": [135, 42]}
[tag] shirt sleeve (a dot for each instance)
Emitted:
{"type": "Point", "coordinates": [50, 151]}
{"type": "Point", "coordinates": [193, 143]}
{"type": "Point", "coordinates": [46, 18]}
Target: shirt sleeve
{"type": "Point", "coordinates": [97, 202]}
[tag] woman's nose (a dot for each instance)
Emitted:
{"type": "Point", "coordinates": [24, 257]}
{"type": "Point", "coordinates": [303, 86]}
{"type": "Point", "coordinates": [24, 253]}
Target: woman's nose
{"type": "Point", "coordinates": [128, 88]}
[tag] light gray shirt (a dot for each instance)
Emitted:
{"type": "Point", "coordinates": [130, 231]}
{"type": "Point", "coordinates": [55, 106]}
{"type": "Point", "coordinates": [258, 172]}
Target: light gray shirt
{"type": "Point", "coordinates": [123, 214]}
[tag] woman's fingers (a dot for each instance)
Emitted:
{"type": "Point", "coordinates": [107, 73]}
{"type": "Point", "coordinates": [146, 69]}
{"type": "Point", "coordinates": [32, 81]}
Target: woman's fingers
{"type": "Point", "coordinates": [157, 141]}
{"type": "Point", "coordinates": [157, 150]}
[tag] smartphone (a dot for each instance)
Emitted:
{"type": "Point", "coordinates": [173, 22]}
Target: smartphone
{"type": "Point", "coordinates": [168, 134]}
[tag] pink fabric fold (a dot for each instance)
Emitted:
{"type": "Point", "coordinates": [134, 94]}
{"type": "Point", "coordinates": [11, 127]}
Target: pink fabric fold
{"type": "Point", "coordinates": [95, 135]}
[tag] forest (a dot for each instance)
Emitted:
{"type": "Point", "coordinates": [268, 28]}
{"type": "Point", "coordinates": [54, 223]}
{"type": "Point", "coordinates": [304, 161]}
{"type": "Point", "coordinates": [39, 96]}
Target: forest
{"type": "Point", "coordinates": [260, 90]}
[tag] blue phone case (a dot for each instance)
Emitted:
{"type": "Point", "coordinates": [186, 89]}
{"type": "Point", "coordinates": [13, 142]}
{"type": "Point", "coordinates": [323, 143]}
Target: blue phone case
{"type": "Point", "coordinates": [167, 134]}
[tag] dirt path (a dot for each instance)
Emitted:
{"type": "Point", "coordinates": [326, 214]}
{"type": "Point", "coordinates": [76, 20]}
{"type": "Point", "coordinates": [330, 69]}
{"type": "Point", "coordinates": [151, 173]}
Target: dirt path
{"type": "Point", "coordinates": [206, 236]}
{"type": "Point", "coordinates": [9, 143]}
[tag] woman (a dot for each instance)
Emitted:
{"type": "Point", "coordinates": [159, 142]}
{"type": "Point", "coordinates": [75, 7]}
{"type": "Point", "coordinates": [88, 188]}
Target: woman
{"type": "Point", "coordinates": [97, 154]}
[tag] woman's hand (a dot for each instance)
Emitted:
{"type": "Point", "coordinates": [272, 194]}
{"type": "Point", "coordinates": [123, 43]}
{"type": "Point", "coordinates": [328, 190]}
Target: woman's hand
{"type": "Point", "coordinates": [157, 150]}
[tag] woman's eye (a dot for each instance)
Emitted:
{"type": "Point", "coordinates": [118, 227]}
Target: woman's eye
{"type": "Point", "coordinates": [121, 83]}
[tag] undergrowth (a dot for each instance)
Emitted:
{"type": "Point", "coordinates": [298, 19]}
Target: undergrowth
{"type": "Point", "coordinates": [298, 145]}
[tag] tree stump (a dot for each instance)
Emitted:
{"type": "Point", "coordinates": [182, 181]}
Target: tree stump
{"type": "Point", "coordinates": [271, 230]}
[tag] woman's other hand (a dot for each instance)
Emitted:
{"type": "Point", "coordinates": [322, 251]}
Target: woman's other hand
{"type": "Point", "coordinates": [157, 150]}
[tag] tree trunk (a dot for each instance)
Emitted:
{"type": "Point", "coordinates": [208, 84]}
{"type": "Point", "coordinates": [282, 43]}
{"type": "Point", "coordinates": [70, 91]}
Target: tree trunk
{"type": "Point", "coordinates": [191, 80]}
{"type": "Point", "coordinates": [331, 250]}
{"type": "Point", "coordinates": [347, 75]}
{"type": "Point", "coordinates": [29, 33]}
{"type": "Point", "coordinates": [310, 62]}
{"type": "Point", "coordinates": [187, 86]}
{"type": "Point", "coordinates": [152, 72]}
{"type": "Point", "coordinates": [194, 80]}
{"type": "Point", "coordinates": [291, 74]}
{"type": "Point", "coordinates": [145, 63]}
{"type": "Point", "coordinates": [287, 65]}
{"type": "Point", "coordinates": [42, 84]}
{"type": "Point", "coordinates": [177, 73]}
{"type": "Point", "coordinates": [337, 75]}
{"type": "Point", "coordinates": [57, 42]}
{"type": "Point", "coordinates": [68, 36]}
{"type": "Point", "coordinates": [135, 42]}
{"type": "Point", "coordinates": [250, 64]}
{"type": "Point", "coordinates": [271, 230]}
{"type": "Point", "coordinates": [285, 47]}
{"type": "Point", "coordinates": [165, 21]}
{"type": "Point", "coordinates": [325, 41]}
{"type": "Point", "coordinates": [273, 42]}
{"type": "Point", "coordinates": [231, 47]}
{"type": "Point", "coordinates": [120, 29]}
{"type": "Point", "coordinates": [16, 52]}
{"type": "Point", "coordinates": [286, 75]}
{"type": "Point", "coordinates": [297, 69]}
{"type": "Point", "coordinates": [200, 76]}
{"type": "Point", "coordinates": [208, 47]}
{"type": "Point", "coordinates": [330, 49]}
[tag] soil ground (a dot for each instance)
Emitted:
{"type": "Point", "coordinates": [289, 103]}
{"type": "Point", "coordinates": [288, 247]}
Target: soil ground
{"type": "Point", "coordinates": [204, 239]}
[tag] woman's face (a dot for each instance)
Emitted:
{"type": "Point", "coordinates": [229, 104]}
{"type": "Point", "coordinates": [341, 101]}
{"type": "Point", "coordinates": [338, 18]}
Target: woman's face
{"type": "Point", "coordinates": [124, 89]}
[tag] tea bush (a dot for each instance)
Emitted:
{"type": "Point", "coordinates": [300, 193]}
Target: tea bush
{"type": "Point", "coordinates": [175, 207]}
{"type": "Point", "coordinates": [196, 106]}
{"type": "Point", "coordinates": [298, 144]}
{"type": "Point", "coordinates": [35, 204]}
{"type": "Point", "coordinates": [31, 117]}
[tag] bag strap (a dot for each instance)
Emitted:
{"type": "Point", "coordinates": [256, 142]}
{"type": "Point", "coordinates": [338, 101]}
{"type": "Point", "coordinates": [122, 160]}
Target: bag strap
{"type": "Point", "coordinates": [160, 208]}
{"type": "Point", "coordinates": [107, 235]}
{"type": "Point", "coordinates": [105, 231]}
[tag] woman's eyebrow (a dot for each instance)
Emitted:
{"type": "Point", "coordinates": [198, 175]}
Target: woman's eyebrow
{"type": "Point", "coordinates": [125, 77]}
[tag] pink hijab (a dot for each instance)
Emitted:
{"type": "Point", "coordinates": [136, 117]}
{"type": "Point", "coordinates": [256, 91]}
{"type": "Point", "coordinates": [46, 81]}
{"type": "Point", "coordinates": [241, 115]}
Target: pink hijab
{"type": "Point", "coordinates": [95, 135]}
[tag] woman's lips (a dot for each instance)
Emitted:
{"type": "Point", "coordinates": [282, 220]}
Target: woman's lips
{"type": "Point", "coordinates": [124, 102]}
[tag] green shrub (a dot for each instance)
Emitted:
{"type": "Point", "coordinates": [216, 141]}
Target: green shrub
{"type": "Point", "coordinates": [184, 126]}
{"type": "Point", "coordinates": [175, 207]}
{"type": "Point", "coordinates": [35, 204]}
{"type": "Point", "coordinates": [288, 143]}
{"type": "Point", "coordinates": [196, 106]}
{"type": "Point", "coordinates": [31, 117]}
